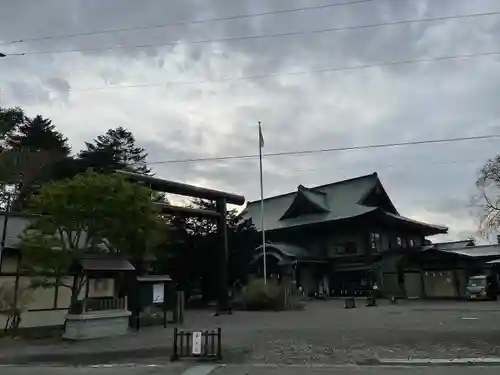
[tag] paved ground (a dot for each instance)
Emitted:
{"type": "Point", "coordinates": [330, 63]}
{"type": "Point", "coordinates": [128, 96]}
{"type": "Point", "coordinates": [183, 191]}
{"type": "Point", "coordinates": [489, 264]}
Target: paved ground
{"type": "Point", "coordinates": [354, 370]}
{"type": "Point", "coordinates": [249, 370]}
{"type": "Point", "coordinates": [324, 333]}
{"type": "Point", "coordinates": [114, 370]}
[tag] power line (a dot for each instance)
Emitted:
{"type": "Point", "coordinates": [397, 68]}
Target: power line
{"type": "Point", "coordinates": [388, 166]}
{"type": "Point", "coordinates": [303, 72]}
{"type": "Point", "coordinates": [266, 36]}
{"type": "Point", "coordinates": [229, 18]}
{"type": "Point", "coordinates": [336, 149]}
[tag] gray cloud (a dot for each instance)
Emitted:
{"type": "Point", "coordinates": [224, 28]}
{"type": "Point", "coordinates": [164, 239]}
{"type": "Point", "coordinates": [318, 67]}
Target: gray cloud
{"type": "Point", "coordinates": [452, 98]}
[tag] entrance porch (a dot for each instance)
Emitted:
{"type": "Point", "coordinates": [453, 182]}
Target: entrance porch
{"type": "Point", "coordinates": [308, 275]}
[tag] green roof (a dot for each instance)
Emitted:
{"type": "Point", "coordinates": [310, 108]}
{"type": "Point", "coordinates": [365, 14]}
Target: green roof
{"type": "Point", "coordinates": [307, 201]}
{"type": "Point", "coordinates": [325, 203]}
{"type": "Point", "coordinates": [342, 198]}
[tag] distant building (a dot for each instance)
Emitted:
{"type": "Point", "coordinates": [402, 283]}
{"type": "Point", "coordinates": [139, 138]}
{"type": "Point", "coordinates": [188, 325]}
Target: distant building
{"type": "Point", "coordinates": [337, 236]}
{"type": "Point", "coordinates": [441, 270]}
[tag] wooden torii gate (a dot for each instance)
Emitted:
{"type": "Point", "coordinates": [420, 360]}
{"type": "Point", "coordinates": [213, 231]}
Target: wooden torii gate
{"type": "Point", "coordinates": [221, 200]}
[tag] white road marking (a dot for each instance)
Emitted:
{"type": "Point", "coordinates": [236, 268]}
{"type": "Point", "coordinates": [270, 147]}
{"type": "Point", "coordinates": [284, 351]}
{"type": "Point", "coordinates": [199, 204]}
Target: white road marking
{"type": "Point", "coordinates": [470, 318]}
{"type": "Point", "coordinates": [200, 370]}
{"type": "Point", "coordinates": [440, 361]}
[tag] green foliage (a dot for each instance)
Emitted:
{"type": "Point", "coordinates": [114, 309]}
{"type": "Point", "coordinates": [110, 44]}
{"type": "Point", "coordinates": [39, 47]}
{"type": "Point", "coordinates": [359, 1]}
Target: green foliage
{"type": "Point", "coordinates": [194, 248]}
{"type": "Point", "coordinates": [10, 162]}
{"type": "Point", "coordinates": [43, 255]}
{"type": "Point", "coordinates": [9, 119]}
{"type": "Point", "coordinates": [115, 150]}
{"type": "Point", "coordinates": [37, 134]}
{"type": "Point", "coordinates": [12, 306]}
{"type": "Point", "coordinates": [89, 214]}
{"type": "Point", "coordinates": [29, 148]}
{"type": "Point", "coordinates": [33, 152]}
{"type": "Point", "coordinates": [13, 164]}
{"type": "Point", "coordinates": [257, 295]}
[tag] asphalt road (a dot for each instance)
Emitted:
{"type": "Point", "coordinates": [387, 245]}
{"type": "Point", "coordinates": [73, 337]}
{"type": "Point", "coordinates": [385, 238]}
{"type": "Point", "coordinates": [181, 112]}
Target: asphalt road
{"type": "Point", "coordinates": [376, 370]}
{"type": "Point", "coordinates": [256, 370]}
{"type": "Point", "coordinates": [96, 370]}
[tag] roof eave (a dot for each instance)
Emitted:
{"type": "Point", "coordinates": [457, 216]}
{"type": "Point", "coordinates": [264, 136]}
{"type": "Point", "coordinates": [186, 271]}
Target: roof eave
{"type": "Point", "coordinates": [427, 229]}
{"type": "Point", "coordinates": [315, 223]}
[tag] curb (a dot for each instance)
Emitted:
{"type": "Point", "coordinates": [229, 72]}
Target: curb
{"type": "Point", "coordinates": [201, 370]}
{"type": "Point", "coordinates": [494, 361]}
{"type": "Point", "coordinates": [87, 358]}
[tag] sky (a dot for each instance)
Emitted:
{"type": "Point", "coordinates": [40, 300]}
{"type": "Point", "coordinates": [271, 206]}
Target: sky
{"type": "Point", "coordinates": [191, 94]}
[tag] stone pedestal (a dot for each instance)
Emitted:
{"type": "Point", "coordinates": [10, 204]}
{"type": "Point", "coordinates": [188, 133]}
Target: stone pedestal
{"type": "Point", "coordinates": [96, 324]}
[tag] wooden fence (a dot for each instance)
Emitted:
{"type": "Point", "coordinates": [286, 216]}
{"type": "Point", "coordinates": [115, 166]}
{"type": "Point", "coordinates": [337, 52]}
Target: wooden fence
{"type": "Point", "coordinates": [197, 344]}
{"type": "Point", "coordinates": [100, 304]}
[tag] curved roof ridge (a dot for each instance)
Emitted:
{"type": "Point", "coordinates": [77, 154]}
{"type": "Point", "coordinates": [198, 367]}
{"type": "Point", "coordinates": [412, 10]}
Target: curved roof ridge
{"type": "Point", "coordinates": [306, 202]}
{"type": "Point", "coordinates": [374, 174]}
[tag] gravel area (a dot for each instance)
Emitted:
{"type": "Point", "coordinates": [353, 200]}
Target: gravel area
{"type": "Point", "coordinates": [327, 333]}
{"type": "Point", "coordinates": [324, 332]}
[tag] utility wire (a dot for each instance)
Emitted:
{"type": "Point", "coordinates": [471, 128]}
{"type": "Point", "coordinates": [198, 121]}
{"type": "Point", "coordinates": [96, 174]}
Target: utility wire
{"type": "Point", "coordinates": [229, 18]}
{"type": "Point", "coordinates": [303, 72]}
{"type": "Point", "coordinates": [266, 36]}
{"type": "Point", "coordinates": [336, 149]}
{"type": "Point", "coordinates": [383, 166]}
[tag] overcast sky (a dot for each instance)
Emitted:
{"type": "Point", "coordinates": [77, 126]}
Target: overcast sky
{"type": "Point", "coordinates": [453, 98]}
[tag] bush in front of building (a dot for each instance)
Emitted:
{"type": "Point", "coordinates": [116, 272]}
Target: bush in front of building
{"type": "Point", "coordinates": [257, 295]}
{"type": "Point", "coordinates": [14, 300]}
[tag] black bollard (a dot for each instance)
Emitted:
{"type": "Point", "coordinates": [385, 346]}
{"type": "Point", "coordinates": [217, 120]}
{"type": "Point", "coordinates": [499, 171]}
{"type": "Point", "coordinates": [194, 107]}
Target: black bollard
{"type": "Point", "coordinates": [350, 303]}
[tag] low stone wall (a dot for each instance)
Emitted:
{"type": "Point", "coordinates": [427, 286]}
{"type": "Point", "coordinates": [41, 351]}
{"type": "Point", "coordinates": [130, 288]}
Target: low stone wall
{"type": "Point", "coordinates": [96, 324]}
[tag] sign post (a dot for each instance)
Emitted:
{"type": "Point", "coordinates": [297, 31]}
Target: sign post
{"type": "Point", "coordinates": [196, 344]}
{"type": "Point", "coordinates": [158, 293]}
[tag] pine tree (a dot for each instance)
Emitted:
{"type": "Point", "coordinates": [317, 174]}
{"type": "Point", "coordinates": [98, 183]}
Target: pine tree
{"type": "Point", "coordinates": [9, 119]}
{"type": "Point", "coordinates": [116, 149]}
{"type": "Point", "coordinates": [36, 147]}
{"type": "Point", "coordinates": [38, 134]}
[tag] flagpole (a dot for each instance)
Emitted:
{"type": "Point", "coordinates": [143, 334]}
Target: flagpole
{"type": "Point", "coordinates": [261, 144]}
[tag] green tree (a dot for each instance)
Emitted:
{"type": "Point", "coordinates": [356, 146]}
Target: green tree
{"type": "Point", "coordinates": [31, 149]}
{"type": "Point", "coordinates": [116, 149]}
{"type": "Point", "coordinates": [9, 119]}
{"type": "Point", "coordinates": [37, 134]}
{"type": "Point", "coordinates": [92, 213]}
{"type": "Point", "coordinates": [195, 245]}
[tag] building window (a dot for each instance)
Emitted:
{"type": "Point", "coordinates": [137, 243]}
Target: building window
{"type": "Point", "coordinates": [351, 248]}
{"type": "Point", "coordinates": [375, 241]}
{"type": "Point", "coordinates": [399, 242]}
{"type": "Point", "coordinates": [411, 241]}
{"type": "Point", "coordinates": [340, 249]}
{"type": "Point", "coordinates": [100, 285]}
{"type": "Point", "coordinates": [348, 248]}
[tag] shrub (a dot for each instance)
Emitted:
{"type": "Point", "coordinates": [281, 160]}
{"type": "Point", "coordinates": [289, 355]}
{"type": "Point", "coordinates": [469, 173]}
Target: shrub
{"type": "Point", "coordinates": [11, 306]}
{"type": "Point", "coordinates": [257, 295]}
